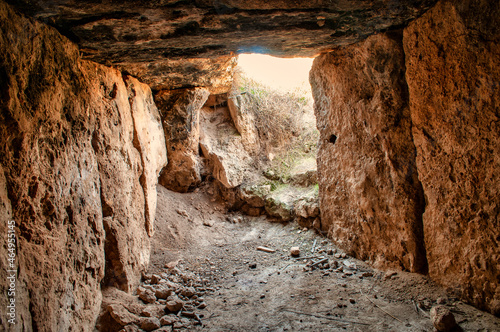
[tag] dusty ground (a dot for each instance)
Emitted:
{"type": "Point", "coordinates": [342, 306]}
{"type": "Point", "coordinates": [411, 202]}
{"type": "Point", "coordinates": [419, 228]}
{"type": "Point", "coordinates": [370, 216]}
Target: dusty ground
{"type": "Point", "coordinates": [250, 290]}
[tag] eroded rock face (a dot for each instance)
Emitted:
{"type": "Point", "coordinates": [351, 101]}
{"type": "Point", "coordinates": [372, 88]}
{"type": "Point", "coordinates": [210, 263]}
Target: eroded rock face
{"type": "Point", "coordinates": [244, 122]}
{"type": "Point", "coordinates": [149, 140]}
{"type": "Point", "coordinates": [180, 112]}
{"type": "Point", "coordinates": [71, 175]}
{"type": "Point", "coordinates": [453, 73]}
{"type": "Point", "coordinates": [223, 147]}
{"type": "Point", "coordinates": [369, 191]}
{"type": "Point", "coordinates": [149, 39]}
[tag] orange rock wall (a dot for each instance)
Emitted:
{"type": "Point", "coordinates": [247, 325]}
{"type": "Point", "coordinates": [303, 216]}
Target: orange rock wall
{"type": "Point", "coordinates": [370, 197]}
{"type": "Point", "coordinates": [453, 75]}
{"type": "Point", "coordinates": [74, 176]}
{"type": "Point", "coordinates": [418, 112]}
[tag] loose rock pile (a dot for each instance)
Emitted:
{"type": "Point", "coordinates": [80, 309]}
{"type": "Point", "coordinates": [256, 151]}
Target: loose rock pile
{"type": "Point", "coordinates": [169, 299]}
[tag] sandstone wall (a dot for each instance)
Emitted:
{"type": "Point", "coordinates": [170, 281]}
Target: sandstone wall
{"type": "Point", "coordinates": [376, 136]}
{"type": "Point", "coordinates": [71, 171]}
{"type": "Point", "coordinates": [371, 199]}
{"type": "Point", "coordinates": [453, 74]}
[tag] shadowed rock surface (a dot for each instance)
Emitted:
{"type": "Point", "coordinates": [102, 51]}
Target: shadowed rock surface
{"type": "Point", "coordinates": [367, 161]}
{"type": "Point", "coordinates": [371, 199]}
{"type": "Point", "coordinates": [75, 176]}
{"type": "Point", "coordinates": [152, 39]}
{"type": "Point", "coordinates": [453, 74]}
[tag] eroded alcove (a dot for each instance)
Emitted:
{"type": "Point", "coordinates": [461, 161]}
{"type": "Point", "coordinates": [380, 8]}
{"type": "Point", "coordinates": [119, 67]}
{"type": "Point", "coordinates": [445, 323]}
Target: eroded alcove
{"type": "Point", "coordinates": [410, 90]}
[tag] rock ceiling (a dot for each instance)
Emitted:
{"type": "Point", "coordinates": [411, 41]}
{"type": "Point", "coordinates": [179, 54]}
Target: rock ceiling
{"type": "Point", "coordinates": [173, 44]}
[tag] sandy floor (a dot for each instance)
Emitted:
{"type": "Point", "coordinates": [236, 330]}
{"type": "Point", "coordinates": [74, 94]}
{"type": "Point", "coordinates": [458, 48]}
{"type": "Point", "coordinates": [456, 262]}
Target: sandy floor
{"type": "Point", "coordinates": [251, 290]}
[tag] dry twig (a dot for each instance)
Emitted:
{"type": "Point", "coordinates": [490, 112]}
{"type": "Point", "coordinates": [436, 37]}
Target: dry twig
{"type": "Point", "coordinates": [325, 317]}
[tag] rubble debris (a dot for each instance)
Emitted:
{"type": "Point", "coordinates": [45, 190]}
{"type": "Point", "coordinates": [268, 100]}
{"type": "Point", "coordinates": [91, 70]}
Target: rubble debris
{"type": "Point", "coordinates": [150, 324]}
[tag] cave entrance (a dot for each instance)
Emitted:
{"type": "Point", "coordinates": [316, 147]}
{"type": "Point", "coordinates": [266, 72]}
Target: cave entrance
{"type": "Point", "coordinates": [259, 141]}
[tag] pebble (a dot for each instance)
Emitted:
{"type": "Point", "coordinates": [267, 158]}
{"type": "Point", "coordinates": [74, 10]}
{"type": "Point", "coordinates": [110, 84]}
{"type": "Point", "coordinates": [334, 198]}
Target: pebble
{"type": "Point", "coordinates": [441, 300]}
{"type": "Point", "coordinates": [295, 251]}
{"type": "Point", "coordinates": [188, 291]}
{"type": "Point", "coordinates": [389, 275]}
{"type": "Point", "coordinates": [252, 265]}
{"type": "Point", "coordinates": [174, 304]}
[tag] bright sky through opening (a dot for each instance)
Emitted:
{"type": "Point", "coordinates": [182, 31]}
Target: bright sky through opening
{"type": "Point", "coordinates": [279, 73]}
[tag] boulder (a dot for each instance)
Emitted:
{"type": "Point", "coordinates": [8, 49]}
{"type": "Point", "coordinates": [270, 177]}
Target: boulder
{"type": "Point", "coordinates": [180, 113]}
{"type": "Point", "coordinates": [442, 319]}
{"type": "Point", "coordinates": [222, 146]}
{"type": "Point", "coordinates": [150, 323]}
{"type": "Point", "coordinates": [121, 315]}
{"type": "Point", "coordinates": [244, 122]}
{"type": "Point", "coordinates": [304, 173]}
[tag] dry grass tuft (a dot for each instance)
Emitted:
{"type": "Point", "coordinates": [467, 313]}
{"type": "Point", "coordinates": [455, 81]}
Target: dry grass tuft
{"type": "Point", "coordinates": [284, 120]}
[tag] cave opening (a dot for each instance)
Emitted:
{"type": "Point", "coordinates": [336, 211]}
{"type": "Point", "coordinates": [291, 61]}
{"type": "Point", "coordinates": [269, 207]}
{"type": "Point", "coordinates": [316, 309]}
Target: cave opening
{"type": "Point", "coordinates": [101, 101]}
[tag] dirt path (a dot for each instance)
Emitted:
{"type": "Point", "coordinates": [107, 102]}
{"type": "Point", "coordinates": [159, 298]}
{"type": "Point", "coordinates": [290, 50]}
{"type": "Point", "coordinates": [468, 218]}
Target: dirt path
{"type": "Point", "coordinates": [250, 290]}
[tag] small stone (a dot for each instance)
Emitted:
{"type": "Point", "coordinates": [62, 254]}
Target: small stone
{"type": "Point", "coordinates": [147, 296]}
{"type": "Point", "coordinates": [181, 212]}
{"type": "Point", "coordinates": [367, 274]}
{"type": "Point", "coordinates": [202, 305]}
{"type": "Point", "coordinates": [188, 291]}
{"type": "Point", "coordinates": [442, 319]}
{"type": "Point", "coordinates": [262, 296]}
{"type": "Point", "coordinates": [121, 315]}
{"type": "Point", "coordinates": [329, 251]}
{"type": "Point", "coordinates": [162, 292]}
{"type": "Point", "coordinates": [389, 275]}
{"type": "Point", "coordinates": [154, 310]}
{"type": "Point", "coordinates": [352, 301]}
{"type": "Point", "coordinates": [441, 300]}
{"type": "Point", "coordinates": [252, 265]}
{"type": "Point", "coordinates": [130, 328]}
{"type": "Point", "coordinates": [150, 324]}
{"type": "Point", "coordinates": [295, 251]}
{"type": "Point", "coordinates": [155, 279]}
{"type": "Point", "coordinates": [174, 304]}
{"type": "Point", "coordinates": [208, 223]}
